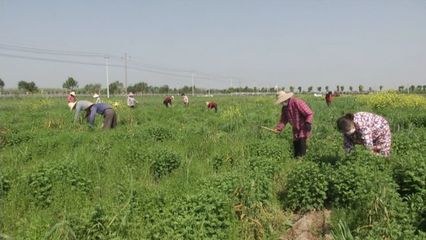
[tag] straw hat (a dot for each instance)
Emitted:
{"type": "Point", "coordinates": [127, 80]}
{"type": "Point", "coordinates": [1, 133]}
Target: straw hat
{"type": "Point", "coordinates": [72, 93]}
{"type": "Point", "coordinates": [72, 105]}
{"type": "Point", "coordinates": [283, 96]}
{"type": "Point", "coordinates": [95, 95]}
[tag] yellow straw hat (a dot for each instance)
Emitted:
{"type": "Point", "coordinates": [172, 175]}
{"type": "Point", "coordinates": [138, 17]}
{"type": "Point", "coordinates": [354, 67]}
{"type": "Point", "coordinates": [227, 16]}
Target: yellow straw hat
{"type": "Point", "coordinates": [282, 96]}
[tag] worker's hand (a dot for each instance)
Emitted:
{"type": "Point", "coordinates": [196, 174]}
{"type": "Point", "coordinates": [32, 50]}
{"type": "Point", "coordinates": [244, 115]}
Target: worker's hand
{"type": "Point", "coordinates": [308, 127]}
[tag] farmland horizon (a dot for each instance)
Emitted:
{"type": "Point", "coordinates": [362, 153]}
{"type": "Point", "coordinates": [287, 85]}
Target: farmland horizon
{"type": "Point", "coordinates": [214, 45]}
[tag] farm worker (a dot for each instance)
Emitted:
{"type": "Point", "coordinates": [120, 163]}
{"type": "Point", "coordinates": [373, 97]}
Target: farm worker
{"type": "Point", "coordinates": [79, 106]}
{"type": "Point", "coordinates": [71, 97]}
{"type": "Point", "coordinates": [97, 97]}
{"type": "Point", "coordinates": [366, 128]}
{"type": "Point", "coordinates": [168, 101]}
{"type": "Point", "coordinates": [328, 98]}
{"type": "Point", "coordinates": [185, 100]}
{"type": "Point", "coordinates": [110, 118]}
{"type": "Point", "coordinates": [296, 112]}
{"type": "Point", "coordinates": [131, 101]}
{"type": "Point", "coordinates": [212, 105]}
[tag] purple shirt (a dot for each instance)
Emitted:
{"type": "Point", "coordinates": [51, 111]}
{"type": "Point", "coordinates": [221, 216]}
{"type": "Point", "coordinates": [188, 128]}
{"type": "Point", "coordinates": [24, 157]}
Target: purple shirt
{"type": "Point", "coordinates": [97, 108]}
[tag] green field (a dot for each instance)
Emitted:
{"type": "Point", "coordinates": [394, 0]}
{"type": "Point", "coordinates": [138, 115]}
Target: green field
{"type": "Point", "coordinates": [190, 173]}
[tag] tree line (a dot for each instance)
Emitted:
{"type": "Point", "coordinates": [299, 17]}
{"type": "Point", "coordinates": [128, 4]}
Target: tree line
{"type": "Point", "coordinates": [117, 87]}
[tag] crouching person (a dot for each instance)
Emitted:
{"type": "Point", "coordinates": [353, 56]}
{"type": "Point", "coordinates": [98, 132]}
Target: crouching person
{"type": "Point", "coordinates": [212, 105]}
{"type": "Point", "coordinates": [110, 117]}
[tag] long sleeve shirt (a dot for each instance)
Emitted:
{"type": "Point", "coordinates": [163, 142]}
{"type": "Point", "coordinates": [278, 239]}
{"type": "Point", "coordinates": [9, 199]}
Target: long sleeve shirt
{"type": "Point", "coordinates": [81, 106]}
{"type": "Point", "coordinates": [372, 131]}
{"type": "Point", "coordinates": [131, 101]}
{"type": "Point", "coordinates": [98, 108]}
{"type": "Point", "coordinates": [212, 105]}
{"type": "Point", "coordinates": [297, 113]}
{"type": "Point", "coordinates": [185, 99]}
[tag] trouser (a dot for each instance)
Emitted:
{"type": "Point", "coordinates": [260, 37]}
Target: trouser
{"type": "Point", "coordinates": [110, 119]}
{"type": "Point", "coordinates": [299, 147]}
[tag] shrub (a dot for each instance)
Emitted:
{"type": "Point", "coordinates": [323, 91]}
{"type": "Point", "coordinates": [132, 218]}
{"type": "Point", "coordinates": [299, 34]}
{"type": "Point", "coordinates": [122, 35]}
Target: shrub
{"type": "Point", "coordinates": [159, 133]}
{"type": "Point", "coordinates": [268, 149]}
{"type": "Point", "coordinates": [4, 185]}
{"type": "Point", "coordinates": [163, 162]}
{"type": "Point", "coordinates": [409, 172]}
{"type": "Point", "coordinates": [41, 187]}
{"type": "Point", "coordinates": [306, 187]}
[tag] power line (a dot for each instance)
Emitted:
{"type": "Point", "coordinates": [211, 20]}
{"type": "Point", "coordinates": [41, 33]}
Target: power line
{"type": "Point", "coordinates": [139, 67]}
{"type": "Point", "coordinates": [21, 48]}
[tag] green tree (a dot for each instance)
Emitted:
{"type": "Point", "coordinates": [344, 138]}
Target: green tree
{"type": "Point", "coordinates": [93, 88]}
{"type": "Point", "coordinates": [310, 88]}
{"type": "Point", "coordinates": [27, 86]}
{"type": "Point", "coordinates": [338, 88]}
{"type": "Point", "coordinates": [381, 87]}
{"type": "Point", "coordinates": [319, 89]}
{"type": "Point", "coordinates": [164, 89]}
{"type": "Point", "coordinates": [326, 88]}
{"type": "Point", "coordinates": [70, 84]}
{"type": "Point", "coordinates": [361, 88]}
{"type": "Point", "coordinates": [351, 88]}
{"type": "Point", "coordinates": [412, 87]}
{"type": "Point", "coordinates": [115, 87]}
{"type": "Point", "coordinates": [424, 88]}
{"type": "Point", "coordinates": [1, 85]}
{"type": "Point", "coordinates": [342, 88]}
{"type": "Point", "coordinates": [291, 89]}
{"type": "Point", "coordinates": [300, 89]}
{"type": "Point", "coordinates": [140, 87]}
{"type": "Point", "coordinates": [401, 88]}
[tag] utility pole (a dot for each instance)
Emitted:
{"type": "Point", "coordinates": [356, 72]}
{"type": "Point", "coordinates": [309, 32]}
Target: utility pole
{"type": "Point", "coordinates": [125, 72]}
{"type": "Point", "coordinates": [107, 74]}
{"type": "Point", "coordinates": [192, 78]}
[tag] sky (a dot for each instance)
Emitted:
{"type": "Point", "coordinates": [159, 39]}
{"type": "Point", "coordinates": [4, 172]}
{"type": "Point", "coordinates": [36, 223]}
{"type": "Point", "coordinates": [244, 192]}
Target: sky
{"type": "Point", "coordinates": [220, 43]}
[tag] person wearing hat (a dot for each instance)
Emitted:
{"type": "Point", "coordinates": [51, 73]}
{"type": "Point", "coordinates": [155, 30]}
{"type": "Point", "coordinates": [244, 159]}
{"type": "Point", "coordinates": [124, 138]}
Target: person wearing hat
{"type": "Point", "coordinates": [168, 101]}
{"type": "Point", "coordinates": [71, 97]}
{"type": "Point", "coordinates": [212, 105]}
{"type": "Point", "coordinates": [329, 98]}
{"type": "Point", "coordinates": [366, 128]}
{"type": "Point", "coordinates": [185, 100]}
{"type": "Point", "coordinates": [97, 97]}
{"type": "Point", "coordinates": [296, 112]}
{"type": "Point", "coordinates": [79, 106]}
{"type": "Point", "coordinates": [131, 101]}
{"type": "Point", "coordinates": [110, 117]}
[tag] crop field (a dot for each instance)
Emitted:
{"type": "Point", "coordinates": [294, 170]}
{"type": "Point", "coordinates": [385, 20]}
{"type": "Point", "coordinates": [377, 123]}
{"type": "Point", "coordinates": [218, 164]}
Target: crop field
{"type": "Point", "coordinates": [190, 173]}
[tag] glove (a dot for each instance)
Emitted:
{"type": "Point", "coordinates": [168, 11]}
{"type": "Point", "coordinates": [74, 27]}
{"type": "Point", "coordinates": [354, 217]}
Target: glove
{"type": "Point", "coordinates": [308, 127]}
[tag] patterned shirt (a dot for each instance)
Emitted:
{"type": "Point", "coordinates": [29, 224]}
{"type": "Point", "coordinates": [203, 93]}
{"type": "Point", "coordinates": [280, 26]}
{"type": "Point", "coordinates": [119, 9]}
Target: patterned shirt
{"type": "Point", "coordinates": [297, 113]}
{"type": "Point", "coordinates": [371, 130]}
{"type": "Point", "coordinates": [131, 101]}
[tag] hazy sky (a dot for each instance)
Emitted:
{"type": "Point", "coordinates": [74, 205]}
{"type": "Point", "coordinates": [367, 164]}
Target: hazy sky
{"type": "Point", "coordinates": [243, 42]}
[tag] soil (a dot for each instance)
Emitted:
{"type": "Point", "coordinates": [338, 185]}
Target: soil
{"type": "Point", "coordinates": [310, 226]}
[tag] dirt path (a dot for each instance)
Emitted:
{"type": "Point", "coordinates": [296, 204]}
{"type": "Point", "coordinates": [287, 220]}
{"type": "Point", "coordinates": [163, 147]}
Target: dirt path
{"type": "Point", "coordinates": [310, 226]}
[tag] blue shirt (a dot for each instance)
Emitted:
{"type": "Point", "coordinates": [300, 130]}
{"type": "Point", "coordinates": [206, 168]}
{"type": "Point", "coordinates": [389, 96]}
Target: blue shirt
{"type": "Point", "coordinates": [97, 108]}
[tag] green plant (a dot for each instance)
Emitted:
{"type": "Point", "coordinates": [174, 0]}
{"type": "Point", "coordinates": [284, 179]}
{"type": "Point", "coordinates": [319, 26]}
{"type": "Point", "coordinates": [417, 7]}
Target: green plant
{"type": "Point", "coordinates": [5, 185]}
{"type": "Point", "coordinates": [306, 187]}
{"type": "Point", "coordinates": [163, 162]}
